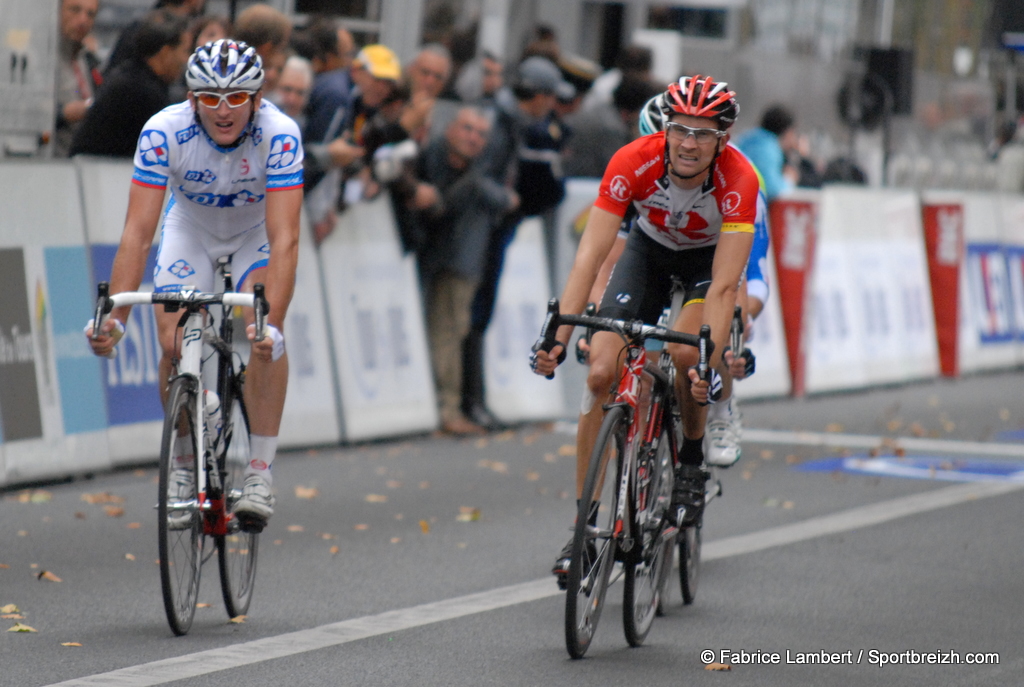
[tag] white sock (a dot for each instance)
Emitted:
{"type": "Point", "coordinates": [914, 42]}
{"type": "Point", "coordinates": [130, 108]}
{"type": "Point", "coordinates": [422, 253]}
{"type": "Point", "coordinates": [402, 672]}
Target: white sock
{"type": "Point", "coordinates": [183, 457]}
{"type": "Point", "coordinates": [261, 451]}
{"type": "Point", "coordinates": [721, 411]}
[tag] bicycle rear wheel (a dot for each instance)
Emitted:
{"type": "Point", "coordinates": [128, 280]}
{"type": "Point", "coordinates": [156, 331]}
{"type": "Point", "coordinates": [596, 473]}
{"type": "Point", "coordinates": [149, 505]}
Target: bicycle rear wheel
{"type": "Point", "coordinates": [594, 542]}
{"type": "Point", "coordinates": [652, 543]}
{"type": "Point", "coordinates": [237, 549]}
{"type": "Point", "coordinates": [689, 562]}
{"type": "Point", "coordinates": [180, 522]}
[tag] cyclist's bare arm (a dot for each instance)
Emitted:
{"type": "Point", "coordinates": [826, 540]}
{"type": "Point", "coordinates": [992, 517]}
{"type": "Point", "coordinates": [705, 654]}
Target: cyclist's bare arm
{"type": "Point", "coordinates": [283, 208]}
{"type": "Point", "coordinates": [730, 260]}
{"type": "Point", "coordinates": [595, 244]}
{"type": "Point", "coordinates": [144, 206]}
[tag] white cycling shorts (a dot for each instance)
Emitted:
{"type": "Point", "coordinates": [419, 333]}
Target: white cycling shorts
{"type": "Point", "coordinates": [188, 256]}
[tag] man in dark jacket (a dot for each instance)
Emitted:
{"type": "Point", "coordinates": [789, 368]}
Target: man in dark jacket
{"type": "Point", "coordinates": [137, 89]}
{"type": "Point", "coordinates": [457, 227]}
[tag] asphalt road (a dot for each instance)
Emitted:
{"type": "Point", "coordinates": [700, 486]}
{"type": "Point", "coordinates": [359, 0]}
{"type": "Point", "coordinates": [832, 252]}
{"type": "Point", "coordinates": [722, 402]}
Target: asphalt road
{"type": "Point", "coordinates": [798, 563]}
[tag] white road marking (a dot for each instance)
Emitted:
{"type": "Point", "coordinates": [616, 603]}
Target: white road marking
{"type": "Point", "coordinates": [772, 436]}
{"type": "Point", "coordinates": [334, 634]}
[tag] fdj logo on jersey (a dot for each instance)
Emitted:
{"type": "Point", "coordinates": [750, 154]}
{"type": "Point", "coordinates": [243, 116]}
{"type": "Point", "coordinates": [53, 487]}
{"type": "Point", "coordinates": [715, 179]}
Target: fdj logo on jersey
{"type": "Point", "coordinates": [205, 177]}
{"type": "Point", "coordinates": [153, 148]}
{"type": "Point", "coordinates": [216, 200]}
{"type": "Point", "coordinates": [283, 151]}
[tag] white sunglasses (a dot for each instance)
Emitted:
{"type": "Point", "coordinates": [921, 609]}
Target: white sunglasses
{"type": "Point", "coordinates": [213, 100]}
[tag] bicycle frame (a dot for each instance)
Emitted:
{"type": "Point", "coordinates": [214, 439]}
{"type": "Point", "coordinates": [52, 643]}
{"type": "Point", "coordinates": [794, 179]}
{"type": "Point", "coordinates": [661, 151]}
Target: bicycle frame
{"type": "Point", "coordinates": [189, 364]}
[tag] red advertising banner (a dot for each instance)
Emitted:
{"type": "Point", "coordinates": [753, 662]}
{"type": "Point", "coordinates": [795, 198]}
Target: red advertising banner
{"type": "Point", "coordinates": [793, 229]}
{"type": "Point", "coordinates": [944, 240]}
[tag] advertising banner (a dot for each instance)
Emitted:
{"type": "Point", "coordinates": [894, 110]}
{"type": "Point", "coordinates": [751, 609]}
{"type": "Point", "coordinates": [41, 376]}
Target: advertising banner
{"type": "Point", "coordinates": [372, 295]}
{"type": "Point", "coordinates": [943, 220]}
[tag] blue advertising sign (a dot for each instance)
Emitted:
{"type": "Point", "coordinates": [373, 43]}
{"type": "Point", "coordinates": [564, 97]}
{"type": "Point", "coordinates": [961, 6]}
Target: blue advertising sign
{"type": "Point", "coordinates": [132, 379]}
{"type": "Point", "coordinates": [988, 283]}
{"type": "Point", "coordinates": [71, 300]}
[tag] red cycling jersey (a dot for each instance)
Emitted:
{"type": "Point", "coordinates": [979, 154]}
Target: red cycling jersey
{"type": "Point", "coordinates": [676, 218]}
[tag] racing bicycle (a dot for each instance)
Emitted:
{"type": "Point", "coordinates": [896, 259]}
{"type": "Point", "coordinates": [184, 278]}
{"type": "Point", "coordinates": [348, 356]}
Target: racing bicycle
{"type": "Point", "coordinates": [198, 488]}
{"type": "Point", "coordinates": [623, 513]}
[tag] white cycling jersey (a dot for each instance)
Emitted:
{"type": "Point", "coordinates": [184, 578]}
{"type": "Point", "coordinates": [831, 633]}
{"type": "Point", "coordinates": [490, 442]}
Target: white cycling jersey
{"type": "Point", "coordinates": [217, 194]}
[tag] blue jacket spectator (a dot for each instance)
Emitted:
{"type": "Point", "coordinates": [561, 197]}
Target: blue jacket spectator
{"type": "Point", "coordinates": [766, 146]}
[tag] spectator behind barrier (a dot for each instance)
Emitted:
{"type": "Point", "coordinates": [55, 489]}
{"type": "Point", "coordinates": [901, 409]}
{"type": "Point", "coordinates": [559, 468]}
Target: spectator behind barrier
{"type": "Point", "coordinates": [459, 205]}
{"type": "Point", "coordinates": [766, 147]}
{"type": "Point", "coordinates": [293, 88]}
{"type": "Point", "coordinates": [330, 50]}
{"type": "Point", "coordinates": [267, 30]}
{"type": "Point", "coordinates": [538, 141]}
{"type": "Point", "coordinates": [598, 133]}
{"type": "Point", "coordinates": [124, 49]}
{"type": "Point", "coordinates": [78, 76]}
{"type": "Point", "coordinates": [137, 89]}
{"type": "Point", "coordinates": [428, 75]}
{"type": "Point", "coordinates": [203, 30]}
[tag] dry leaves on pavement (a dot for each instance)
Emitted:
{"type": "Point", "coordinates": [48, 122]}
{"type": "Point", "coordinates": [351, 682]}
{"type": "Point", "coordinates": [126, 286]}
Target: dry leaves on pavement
{"type": "Point", "coordinates": [102, 497]}
{"type": "Point", "coordinates": [49, 576]}
{"type": "Point", "coordinates": [718, 666]}
{"type": "Point", "coordinates": [306, 492]}
{"type": "Point", "coordinates": [468, 514]}
{"type": "Point", "coordinates": [376, 498]}
{"type": "Point", "coordinates": [21, 627]}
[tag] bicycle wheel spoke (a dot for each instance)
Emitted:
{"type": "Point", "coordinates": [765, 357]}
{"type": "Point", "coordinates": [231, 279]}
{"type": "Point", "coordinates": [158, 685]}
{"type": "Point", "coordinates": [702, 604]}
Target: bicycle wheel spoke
{"type": "Point", "coordinates": [237, 551]}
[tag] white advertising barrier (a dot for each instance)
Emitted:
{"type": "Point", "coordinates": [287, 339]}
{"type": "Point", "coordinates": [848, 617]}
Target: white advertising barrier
{"type": "Point", "coordinates": [514, 392]}
{"type": "Point", "coordinates": [376, 323]}
{"type": "Point", "coordinates": [310, 408]}
{"type": "Point", "coordinates": [1012, 232]}
{"type": "Point", "coordinates": [570, 219]}
{"type": "Point", "coordinates": [871, 318]}
{"type": "Point", "coordinates": [131, 381]}
{"type": "Point", "coordinates": [52, 422]}
{"type": "Point", "coordinates": [987, 335]}
{"type": "Point", "coordinates": [772, 376]}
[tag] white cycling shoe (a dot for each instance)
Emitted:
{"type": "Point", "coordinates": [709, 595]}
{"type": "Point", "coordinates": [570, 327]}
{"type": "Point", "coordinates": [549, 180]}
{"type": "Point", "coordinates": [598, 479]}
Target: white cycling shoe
{"type": "Point", "coordinates": [722, 437]}
{"type": "Point", "coordinates": [256, 504]}
{"type": "Point", "coordinates": [182, 500]}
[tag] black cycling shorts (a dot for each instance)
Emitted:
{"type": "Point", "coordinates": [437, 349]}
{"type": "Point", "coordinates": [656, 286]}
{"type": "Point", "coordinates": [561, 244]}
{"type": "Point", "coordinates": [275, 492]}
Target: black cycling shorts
{"type": "Point", "coordinates": [640, 285]}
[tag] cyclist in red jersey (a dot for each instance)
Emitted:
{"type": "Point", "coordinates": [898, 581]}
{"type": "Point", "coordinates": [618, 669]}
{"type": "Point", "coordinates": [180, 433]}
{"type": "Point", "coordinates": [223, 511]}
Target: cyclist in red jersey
{"type": "Point", "coordinates": [696, 199]}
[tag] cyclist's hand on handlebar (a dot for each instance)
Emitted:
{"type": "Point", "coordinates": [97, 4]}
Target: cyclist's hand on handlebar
{"type": "Point", "coordinates": [742, 366]}
{"type": "Point", "coordinates": [703, 392]}
{"type": "Point", "coordinates": [111, 333]}
{"type": "Point", "coordinates": [271, 347]}
{"type": "Point", "coordinates": [544, 362]}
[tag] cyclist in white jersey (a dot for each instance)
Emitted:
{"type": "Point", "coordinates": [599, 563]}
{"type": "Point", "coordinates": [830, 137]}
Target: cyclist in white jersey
{"type": "Point", "coordinates": [233, 164]}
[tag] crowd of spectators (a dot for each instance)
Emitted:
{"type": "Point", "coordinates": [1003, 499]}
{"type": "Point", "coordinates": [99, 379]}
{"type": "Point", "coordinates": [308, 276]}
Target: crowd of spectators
{"type": "Point", "coordinates": [465, 145]}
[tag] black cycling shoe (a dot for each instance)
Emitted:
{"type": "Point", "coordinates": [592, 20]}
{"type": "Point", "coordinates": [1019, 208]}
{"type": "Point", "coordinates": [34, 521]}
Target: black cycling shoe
{"type": "Point", "coordinates": [561, 567]}
{"type": "Point", "coordinates": [688, 494]}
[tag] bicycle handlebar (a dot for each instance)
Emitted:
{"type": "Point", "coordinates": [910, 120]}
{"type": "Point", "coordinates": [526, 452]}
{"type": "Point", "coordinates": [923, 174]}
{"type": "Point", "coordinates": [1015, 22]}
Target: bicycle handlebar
{"type": "Point", "coordinates": [191, 299]}
{"type": "Point", "coordinates": [634, 330]}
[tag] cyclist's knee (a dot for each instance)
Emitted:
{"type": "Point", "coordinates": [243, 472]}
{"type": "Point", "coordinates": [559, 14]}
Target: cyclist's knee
{"type": "Point", "coordinates": [683, 356]}
{"type": "Point", "coordinates": [601, 375]}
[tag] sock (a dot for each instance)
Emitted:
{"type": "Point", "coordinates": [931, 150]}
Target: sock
{"type": "Point", "coordinates": [261, 450]}
{"type": "Point", "coordinates": [183, 454]}
{"type": "Point", "coordinates": [692, 451]}
{"type": "Point", "coordinates": [720, 411]}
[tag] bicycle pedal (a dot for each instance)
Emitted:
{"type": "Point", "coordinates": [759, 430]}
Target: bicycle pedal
{"type": "Point", "coordinates": [250, 523]}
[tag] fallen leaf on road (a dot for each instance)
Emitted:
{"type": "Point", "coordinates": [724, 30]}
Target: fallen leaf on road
{"type": "Point", "coordinates": [10, 608]}
{"type": "Point", "coordinates": [787, 505]}
{"type": "Point", "coordinates": [1004, 414]}
{"type": "Point", "coordinates": [393, 484]}
{"type": "Point", "coordinates": [22, 533]}
{"type": "Point", "coordinates": [12, 616]}
{"type": "Point", "coordinates": [334, 550]}
{"type": "Point", "coordinates": [362, 527]}
{"type": "Point", "coordinates": [237, 620]}
{"type": "Point", "coordinates": [296, 528]}
{"type": "Point", "coordinates": [532, 476]}
{"type": "Point", "coordinates": [49, 576]}
{"type": "Point", "coordinates": [834, 427]}
{"type": "Point", "coordinates": [376, 498]}
{"type": "Point", "coordinates": [529, 439]}
{"type": "Point", "coordinates": [424, 485]}
{"type": "Point", "coordinates": [113, 511]}
{"type": "Point", "coordinates": [399, 516]}
{"type": "Point", "coordinates": [550, 458]}
{"type": "Point", "coordinates": [80, 515]}
{"type": "Point", "coordinates": [20, 627]}
{"type": "Point", "coordinates": [792, 460]}
{"type": "Point", "coordinates": [326, 537]}
{"type": "Point", "coordinates": [895, 425]}
{"type": "Point", "coordinates": [499, 467]}
{"type": "Point", "coordinates": [202, 605]}
{"type": "Point", "coordinates": [102, 497]}
{"type": "Point", "coordinates": [746, 474]}
{"type": "Point", "coordinates": [134, 525]}
{"type": "Point", "coordinates": [4, 566]}
{"type": "Point", "coordinates": [425, 526]}
{"type": "Point", "coordinates": [70, 644]}
{"type": "Point", "coordinates": [718, 666]}
{"type": "Point", "coordinates": [505, 436]}
{"type": "Point", "coordinates": [481, 443]}
{"type": "Point", "coordinates": [395, 540]}
{"type": "Point", "coordinates": [129, 556]}
{"type": "Point", "coordinates": [306, 492]}
{"type": "Point", "coordinates": [468, 514]}
{"type": "Point", "coordinates": [567, 450]}
{"type": "Point", "coordinates": [917, 430]}
{"type": "Point", "coordinates": [767, 455]}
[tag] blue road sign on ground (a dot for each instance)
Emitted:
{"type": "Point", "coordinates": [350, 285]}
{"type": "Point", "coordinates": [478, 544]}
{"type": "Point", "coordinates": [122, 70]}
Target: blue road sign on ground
{"type": "Point", "coordinates": [922, 467]}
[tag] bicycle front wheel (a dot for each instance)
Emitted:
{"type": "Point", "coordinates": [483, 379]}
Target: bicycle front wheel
{"type": "Point", "coordinates": [594, 540]}
{"type": "Point", "coordinates": [689, 562]}
{"type": "Point", "coordinates": [237, 549]}
{"type": "Point", "coordinates": [180, 522]}
{"type": "Point", "coordinates": [651, 554]}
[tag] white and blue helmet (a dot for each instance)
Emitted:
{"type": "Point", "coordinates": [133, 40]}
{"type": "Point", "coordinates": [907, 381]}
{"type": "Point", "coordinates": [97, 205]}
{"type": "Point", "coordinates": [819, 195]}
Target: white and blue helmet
{"type": "Point", "coordinates": [652, 117]}
{"type": "Point", "coordinates": [225, 64]}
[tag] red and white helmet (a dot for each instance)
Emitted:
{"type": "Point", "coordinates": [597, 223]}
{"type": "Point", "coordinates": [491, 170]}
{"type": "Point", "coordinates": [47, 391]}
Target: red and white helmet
{"type": "Point", "coordinates": [701, 96]}
{"type": "Point", "coordinates": [225, 64]}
